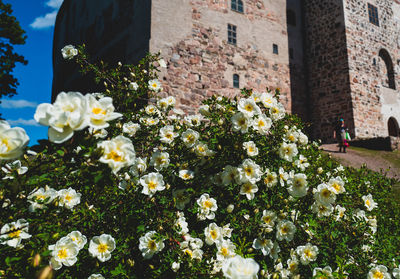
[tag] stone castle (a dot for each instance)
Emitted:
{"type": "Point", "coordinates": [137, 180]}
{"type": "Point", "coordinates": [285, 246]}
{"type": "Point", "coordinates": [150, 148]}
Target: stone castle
{"type": "Point", "coordinates": [331, 58]}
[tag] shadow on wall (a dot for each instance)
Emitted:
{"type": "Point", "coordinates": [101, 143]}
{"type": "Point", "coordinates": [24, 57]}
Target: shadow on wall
{"type": "Point", "coordinates": [112, 30]}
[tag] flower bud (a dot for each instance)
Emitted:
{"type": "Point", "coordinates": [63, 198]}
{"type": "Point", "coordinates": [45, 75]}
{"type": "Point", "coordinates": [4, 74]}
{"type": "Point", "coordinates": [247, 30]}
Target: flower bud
{"type": "Point", "coordinates": [230, 208]}
{"type": "Point", "coordinates": [46, 273]}
{"type": "Point", "coordinates": [36, 260]}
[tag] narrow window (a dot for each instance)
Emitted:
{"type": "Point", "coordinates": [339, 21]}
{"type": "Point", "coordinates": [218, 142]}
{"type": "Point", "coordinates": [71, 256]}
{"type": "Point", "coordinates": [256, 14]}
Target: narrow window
{"type": "Point", "coordinates": [390, 81]}
{"type": "Point", "coordinates": [291, 17]}
{"type": "Point", "coordinates": [235, 81]}
{"type": "Point", "coordinates": [232, 34]}
{"type": "Point", "coordinates": [275, 49]}
{"type": "Point", "coordinates": [237, 5]}
{"type": "Point", "coordinates": [373, 14]}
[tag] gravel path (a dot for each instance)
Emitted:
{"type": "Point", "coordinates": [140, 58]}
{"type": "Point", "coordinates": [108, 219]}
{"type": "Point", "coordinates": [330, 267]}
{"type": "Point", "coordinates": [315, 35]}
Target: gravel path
{"type": "Point", "coordinates": [356, 159]}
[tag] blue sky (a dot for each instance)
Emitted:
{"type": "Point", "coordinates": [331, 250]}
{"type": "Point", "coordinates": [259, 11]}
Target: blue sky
{"type": "Point", "coordinates": [37, 18]}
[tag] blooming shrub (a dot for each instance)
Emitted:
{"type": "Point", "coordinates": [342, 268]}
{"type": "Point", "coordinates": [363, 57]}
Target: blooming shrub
{"type": "Point", "coordinates": [128, 187]}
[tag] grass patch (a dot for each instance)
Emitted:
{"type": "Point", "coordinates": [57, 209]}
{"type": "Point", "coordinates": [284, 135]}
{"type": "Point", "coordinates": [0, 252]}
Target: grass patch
{"type": "Point", "coordinates": [393, 157]}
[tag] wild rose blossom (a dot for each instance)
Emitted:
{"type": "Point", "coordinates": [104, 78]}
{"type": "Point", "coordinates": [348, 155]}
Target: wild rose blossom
{"type": "Point", "coordinates": [12, 141]}
{"type": "Point", "coordinates": [117, 153]}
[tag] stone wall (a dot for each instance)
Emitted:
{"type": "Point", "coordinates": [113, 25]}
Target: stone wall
{"type": "Point", "coordinates": [328, 77]}
{"type": "Point", "coordinates": [374, 102]}
{"type": "Point", "coordinates": [201, 62]}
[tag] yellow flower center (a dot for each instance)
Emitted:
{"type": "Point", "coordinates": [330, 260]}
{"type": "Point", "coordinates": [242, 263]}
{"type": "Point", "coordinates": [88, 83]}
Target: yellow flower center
{"type": "Point", "coordinates": [275, 110]}
{"type": "Point", "coordinates": [368, 202]}
{"type": "Point", "coordinates": [189, 252]}
{"type": "Point", "coordinates": [4, 141]}
{"type": "Point", "coordinates": [269, 179]}
{"type": "Point", "coordinates": [102, 248]}
{"type": "Point", "coordinates": [168, 136]}
{"type": "Point", "coordinates": [190, 138]}
{"type": "Point", "coordinates": [152, 185]}
{"type": "Point", "coordinates": [154, 85]}
{"type": "Point", "coordinates": [242, 122]}
{"type": "Point", "coordinates": [326, 193]}
{"type": "Point", "coordinates": [247, 188]}
{"type": "Point", "coordinates": [14, 234]}
{"type": "Point", "coordinates": [214, 234]}
{"type": "Point", "coordinates": [114, 156]}
{"type": "Point", "coordinates": [251, 149]}
{"type": "Point", "coordinates": [201, 148]}
{"type": "Point", "coordinates": [291, 138]}
{"type": "Point", "coordinates": [62, 254]}
{"type": "Point", "coordinates": [261, 123]}
{"type": "Point", "coordinates": [248, 170]}
{"type": "Point", "coordinates": [248, 107]}
{"type": "Point", "coordinates": [224, 251]}
{"type": "Point", "coordinates": [98, 111]}
{"type": "Point", "coordinates": [41, 197]}
{"type": "Point", "coordinates": [68, 197]}
{"type": "Point", "coordinates": [267, 219]}
{"type": "Point", "coordinates": [336, 186]}
{"type": "Point", "coordinates": [152, 245]}
{"type": "Point", "coordinates": [378, 274]}
{"type": "Point", "coordinates": [186, 176]}
{"type": "Point", "coordinates": [284, 230]}
{"type": "Point", "coordinates": [208, 204]}
{"type": "Point", "coordinates": [307, 253]}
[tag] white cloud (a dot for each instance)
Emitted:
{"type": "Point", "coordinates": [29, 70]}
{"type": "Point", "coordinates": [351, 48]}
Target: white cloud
{"type": "Point", "coordinates": [16, 104]}
{"type": "Point", "coordinates": [54, 3]}
{"type": "Point", "coordinates": [23, 122]}
{"type": "Point", "coordinates": [44, 21]}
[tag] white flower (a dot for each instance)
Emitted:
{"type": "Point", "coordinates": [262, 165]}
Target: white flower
{"type": "Point", "coordinates": [337, 184]}
{"type": "Point", "coordinates": [181, 198]}
{"type": "Point", "coordinates": [167, 134]}
{"type": "Point", "coordinates": [208, 206]}
{"type": "Point", "coordinates": [186, 174]}
{"type": "Point", "coordinates": [369, 203]}
{"type": "Point", "coordinates": [12, 141]}
{"type": "Point", "coordinates": [274, 254]}
{"type": "Point", "coordinates": [151, 109]}
{"type": "Point", "coordinates": [202, 149]}
{"type": "Point", "coordinates": [98, 134]}
{"type": "Point", "coordinates": [248, 189]}
{"type": "Point", "coordinates": [162, 63]}
{"type": "Point", "coordinates": [155, 85]}
{"type": "Point", "coordinates": [64, 252]}
{"type": "Point", "coordinates": [69, 52]}
{"type": "Point", "coordinates": [287, 151]}
{"type": "Point", "coordinates": [379, 271]}
{"type": "Point", "coordinates": [100, 112]}
{"type": "Point", "coordinates": [152, 183]}
{"type": "Point", "coordinates": [268, 100]}
{"type": "Point", "coordinates": [159, 160]}
{"type": "Point", "coordinates": [213, 234]}
{"type": "Point", "coordinates": [139, 167]}
{"type": "Point", "coordinates": [303, 139]}
{"type": "Point", "coordinates": [96, 276]}
{"type": "Point", "coordinates": [396, 272]}
{"type": "Point", "coordinates": [190, 137]}
{"type": "Point", "coordinates": [229, 175]}
{"type": "Point", "coordinates": [133, 86]}
{"type": "Point", "coordinates": [248, 107]}
{"type": "Point", "coordinates": [13, 167]}
{"type": "Point", "coordinates": [302, 163]}
{"type": "Point", "coordinates": [271, 179]}
{"type": "Point", "coordinates": [250, 148]}
{"type": "Point", "coordinates": [283, 176]}
{"type": "Point", "coordinates": [240, 122]}
{"type": "Point", "coordinates": [249, 171]}
{"type": "Point", "coordinates": [293, 264]}
{"type": "Point", "coordinates": [322, 209]}
{"type": "Point", "coordinates": [11, 234]}
{"type": "Point", "coordinates": [285, 230]}
{"type": "Point", "coordinates": [101, 247]}
{"type": "Point", "coordinates": [150, 121]}
{"type": "Point", "coordinates": [325, 194]}
{"type": "Point", "coordinates": [204, 110]}
{"type": "Point", "coordinates": [307, 253]}
{"type": "Point", "coordinates": [263, 244]}
{"type": "Point", "coordinates": [298, 185]}
{"type": "Point", "coordinates": [41, 197]}
{"type": "Point", "coordinates": [175, 266]}
{"type": "Point", "coordinates": [230, 208]}
{"type": "Point", "coordinates": [193, 120]}
{"type": "Point", "coordinates": [79, 239]}
{"type": "Point", "coordinates": [66, 115]}
{"type": "Point", "coordinates": [149, 246]}
{"type": "Point", "coordinates": [225, 249]}
{"type": "Point", "coordinates": [277, 111]}
{"type": "Point", "coordinates": [340, 212]}
{"type": "Point", "coordinates": [117, 153]}
{"type": "Point", "coordinates": [181, 225]}
{"type": "Point", "coordinates": [325, 273]}
{"type": "Point", "coordinates": [268, 218]}
{"type": "Point", "coordinates": [262, 124]}
{"type": "Point", "coordinates": [240, 268]}
{"type": "Point", "coordinates": [68, 198]}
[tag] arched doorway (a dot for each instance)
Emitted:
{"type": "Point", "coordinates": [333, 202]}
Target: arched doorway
{"type": "Point", "coordinates": [385, 56]}
{"type": "Point", "coordinates": [393, 127]}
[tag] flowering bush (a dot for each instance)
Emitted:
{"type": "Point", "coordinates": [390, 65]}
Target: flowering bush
{"type": "Point", "coordinates": [129, 187]}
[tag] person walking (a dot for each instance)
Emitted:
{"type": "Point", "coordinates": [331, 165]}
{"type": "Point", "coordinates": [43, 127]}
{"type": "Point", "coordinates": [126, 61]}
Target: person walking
{"type": "Point", "coordinates": [339, 133]}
